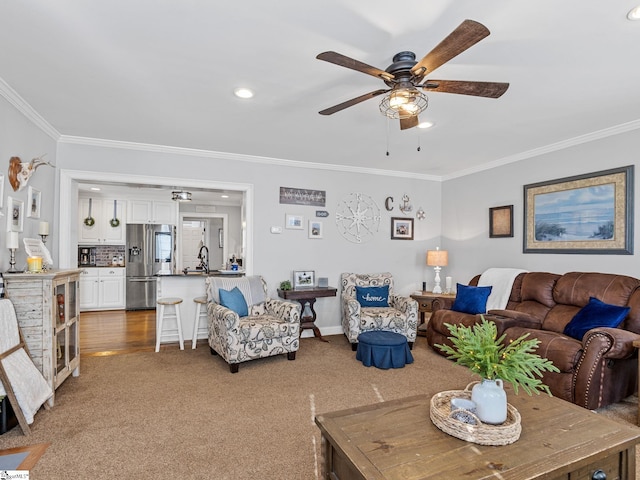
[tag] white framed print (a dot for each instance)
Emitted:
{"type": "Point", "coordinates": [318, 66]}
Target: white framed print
{"type": "Point", "coordinates": [35, 202]}
{"type": "Point", "coordinates": [304, 279]}
{"type": "Point", "coordinates": [15, 215]}
{"type": "Point", "coordinates": [294, 222]}
{"type": "Point", "coordinates": [315, 229]}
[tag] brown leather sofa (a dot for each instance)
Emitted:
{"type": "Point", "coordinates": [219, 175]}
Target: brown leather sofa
{"type": "Point", "coordinates": [597, 371]}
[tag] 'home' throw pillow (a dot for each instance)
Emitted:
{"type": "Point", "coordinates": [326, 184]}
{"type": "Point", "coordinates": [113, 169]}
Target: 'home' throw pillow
{"type": "Point", "coordinates": [234, 300]}
{"type": "Point", "coordinates": [471, 299]}
{"type": "Point", "coordinates": [373, 296]}
{"type": "Point", "coordinates": [595, 314]}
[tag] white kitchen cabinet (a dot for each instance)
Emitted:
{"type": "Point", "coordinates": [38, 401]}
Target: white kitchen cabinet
{"type": "Point", "coordinates": [111, 289]}
{"type": "Point", "coordinates": [102, 288]}
{"type": "Point", "coordinates": [151, 211]}
{"type": "Point", "coordinates": [101, 232]}
{"type": "Point", "coordinates": [89, 285]}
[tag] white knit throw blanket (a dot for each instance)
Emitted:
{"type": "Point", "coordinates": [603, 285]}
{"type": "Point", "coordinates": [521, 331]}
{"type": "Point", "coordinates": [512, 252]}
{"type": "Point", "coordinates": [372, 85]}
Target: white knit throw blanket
{"type": "Point", "coordinates": [501, 281]}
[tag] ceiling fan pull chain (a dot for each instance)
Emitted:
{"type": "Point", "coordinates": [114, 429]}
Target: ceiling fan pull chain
{"type": "Point", "coordinates": [387, 137]}
{"type": "Point", "coordinates": [418, 141]}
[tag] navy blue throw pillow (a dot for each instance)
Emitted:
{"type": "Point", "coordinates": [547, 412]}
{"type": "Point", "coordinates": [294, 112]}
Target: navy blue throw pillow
{"type": "Point", "coordinates": [234, 300]}
{"type": "Point", "coordinates": [471, 299]}
{"type": "Point", "coordinates": [593, 315]}
{"type": "Point", "coordinates": [373, 296]}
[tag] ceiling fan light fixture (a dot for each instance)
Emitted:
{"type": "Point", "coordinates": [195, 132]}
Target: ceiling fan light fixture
{"type": "Point", "coordinates": [181, 196]}
{"type": "Point", "coordinates": [403, 102]}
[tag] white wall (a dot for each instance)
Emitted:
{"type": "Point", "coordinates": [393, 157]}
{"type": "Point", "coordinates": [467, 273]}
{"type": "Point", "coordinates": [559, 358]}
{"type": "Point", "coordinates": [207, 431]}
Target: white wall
{"type": "Point", "coordinates": [466, 202]}
{"type": "Point", "coordinates": [19, 137]}
{"type": "Point", "coordinates": [275, 256]}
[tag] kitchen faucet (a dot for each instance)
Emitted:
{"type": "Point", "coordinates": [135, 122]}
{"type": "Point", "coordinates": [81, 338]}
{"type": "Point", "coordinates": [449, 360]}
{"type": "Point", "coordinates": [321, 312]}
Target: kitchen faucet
{"type": "Point", "coordinates": [204, 265]}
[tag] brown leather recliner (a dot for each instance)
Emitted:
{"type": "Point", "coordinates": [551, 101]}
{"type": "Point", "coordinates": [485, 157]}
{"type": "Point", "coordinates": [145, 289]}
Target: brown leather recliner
{"type": "Point", "coordinates": [597, 371]}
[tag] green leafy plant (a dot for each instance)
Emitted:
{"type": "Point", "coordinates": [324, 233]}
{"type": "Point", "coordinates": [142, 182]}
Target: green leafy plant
{"type": "Point", "coordinates": [479, 349]}
{"type": "Point", "coordinates": [286, 285]}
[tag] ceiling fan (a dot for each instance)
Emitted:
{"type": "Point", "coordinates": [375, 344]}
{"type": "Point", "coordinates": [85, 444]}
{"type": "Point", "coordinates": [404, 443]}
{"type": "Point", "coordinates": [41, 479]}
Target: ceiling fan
{"type": "Point", "coordinates": [406, 77]}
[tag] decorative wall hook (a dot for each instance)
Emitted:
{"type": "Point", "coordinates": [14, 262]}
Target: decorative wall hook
{"type": "Point", "coordinates": [20, 172]}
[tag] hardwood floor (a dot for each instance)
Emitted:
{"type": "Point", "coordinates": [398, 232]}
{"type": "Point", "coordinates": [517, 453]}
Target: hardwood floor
{"type": "Point", "coordinates": [117, 331]}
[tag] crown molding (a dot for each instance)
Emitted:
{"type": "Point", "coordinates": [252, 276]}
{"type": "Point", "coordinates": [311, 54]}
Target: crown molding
{"type": "Point", "coordinates": [98, 142]}
{"type": "Point", "coordinates": [27, 110]}
{"type": "Point", "coordinates": [553, 147]}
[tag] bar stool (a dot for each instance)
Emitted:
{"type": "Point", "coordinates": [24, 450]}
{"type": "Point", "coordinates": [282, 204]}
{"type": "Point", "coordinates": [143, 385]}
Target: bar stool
{"type": "Point", "coordinates": [199, 315]}
{"type": "Point", "coordinates": [167, 302]}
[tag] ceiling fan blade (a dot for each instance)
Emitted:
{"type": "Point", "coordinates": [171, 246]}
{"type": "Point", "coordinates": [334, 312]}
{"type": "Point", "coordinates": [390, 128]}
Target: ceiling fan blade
{"type": "Point", "coordinates": [463, 87]}
{"type": "Point", "coordinates": [343, 61]}
{"type": "Point", "coordinates": [350, 103]}
{"type": "Point", "coordinates": [466, 35]}
{"type": "Point", "coordinates": [406, 123]}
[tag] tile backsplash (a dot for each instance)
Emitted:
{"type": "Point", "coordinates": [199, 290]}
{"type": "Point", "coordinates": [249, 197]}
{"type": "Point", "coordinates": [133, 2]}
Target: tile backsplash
{"type": "Point", "coordinates": [105, 254]}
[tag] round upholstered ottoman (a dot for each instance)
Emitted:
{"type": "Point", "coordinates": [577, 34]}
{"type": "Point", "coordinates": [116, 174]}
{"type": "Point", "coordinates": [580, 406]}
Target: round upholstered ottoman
{"type": "Point", "coordinates": [383, 349]}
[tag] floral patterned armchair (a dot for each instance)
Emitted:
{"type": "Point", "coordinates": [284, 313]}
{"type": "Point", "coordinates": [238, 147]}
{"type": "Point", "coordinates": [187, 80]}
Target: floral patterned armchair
{"type": "Point", "coordinates": [401, 316]}
{"type": "Point", "coordinates": [272, 326]}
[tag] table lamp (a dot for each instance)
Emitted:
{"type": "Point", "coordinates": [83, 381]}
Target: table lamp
{"type": "Point", "coordinates": [437, 259]}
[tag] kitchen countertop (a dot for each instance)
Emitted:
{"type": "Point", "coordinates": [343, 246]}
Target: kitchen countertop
{"type": "Point", "coordinates": [212, 273]}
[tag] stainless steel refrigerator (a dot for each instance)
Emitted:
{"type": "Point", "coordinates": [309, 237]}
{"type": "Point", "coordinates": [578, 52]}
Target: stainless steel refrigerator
{"type": "Point", "coordinates": [150, 251]}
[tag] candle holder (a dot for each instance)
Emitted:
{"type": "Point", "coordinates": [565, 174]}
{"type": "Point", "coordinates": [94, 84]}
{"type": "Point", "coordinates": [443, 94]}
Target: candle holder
{"type": "Point", "coordinates": [44, 237]}
{"type": "Point", "coordinates": [12, 262]}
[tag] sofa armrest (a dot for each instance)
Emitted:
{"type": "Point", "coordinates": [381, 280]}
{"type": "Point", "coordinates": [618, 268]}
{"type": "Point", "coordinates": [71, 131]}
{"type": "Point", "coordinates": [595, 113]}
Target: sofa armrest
{"type": "Point", "coordinates": [614, 342]}
{"type": "Point", "coordinates": [441, 303]}
{"type": "Point", "coordinates": [285, 310]}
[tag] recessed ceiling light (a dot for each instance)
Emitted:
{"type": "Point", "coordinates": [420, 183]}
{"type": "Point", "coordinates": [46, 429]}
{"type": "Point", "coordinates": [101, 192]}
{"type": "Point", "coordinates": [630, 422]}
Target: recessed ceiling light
{"type": "Point", "coordinates": [95, 189]}
{"type": "Point", "coordinates": [426, 124]}
{"type": "Point", "coordinates": [634, 13]}
{"type": "Point", "coordinates": [224, 196]}
{"type": "Point", "coordinates": [243, 93]}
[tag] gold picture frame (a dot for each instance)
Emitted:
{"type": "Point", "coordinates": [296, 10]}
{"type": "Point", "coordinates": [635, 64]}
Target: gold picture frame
{"type": "Point", "coordinates": [584, 214]}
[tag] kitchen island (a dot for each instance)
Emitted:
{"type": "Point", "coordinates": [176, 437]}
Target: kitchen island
{"type": "Point", "coordinates": [187, 287]}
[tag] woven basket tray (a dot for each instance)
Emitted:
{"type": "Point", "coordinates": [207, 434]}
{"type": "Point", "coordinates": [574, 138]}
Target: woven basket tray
{"type": "Point", "coordinates": [481, 433]}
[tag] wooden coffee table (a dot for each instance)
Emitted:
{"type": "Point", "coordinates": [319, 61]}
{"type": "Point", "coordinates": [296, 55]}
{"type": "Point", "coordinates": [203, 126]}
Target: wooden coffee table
{"type": "Point", "coordinates": [396, 440]}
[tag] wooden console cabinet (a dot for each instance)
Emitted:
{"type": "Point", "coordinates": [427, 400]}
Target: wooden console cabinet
{"type": "Point", "coordinates": [48, 310]}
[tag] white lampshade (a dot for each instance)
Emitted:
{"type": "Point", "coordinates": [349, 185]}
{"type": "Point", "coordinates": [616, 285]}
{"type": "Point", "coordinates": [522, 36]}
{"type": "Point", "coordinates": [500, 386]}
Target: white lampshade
{"type": "Point", "coordinates": [437, 258]}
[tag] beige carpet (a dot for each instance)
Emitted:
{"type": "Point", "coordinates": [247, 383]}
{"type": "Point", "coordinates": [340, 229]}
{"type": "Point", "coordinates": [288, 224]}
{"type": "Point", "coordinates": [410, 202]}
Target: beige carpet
{"type": "Point", "coordinates": [181, 414]}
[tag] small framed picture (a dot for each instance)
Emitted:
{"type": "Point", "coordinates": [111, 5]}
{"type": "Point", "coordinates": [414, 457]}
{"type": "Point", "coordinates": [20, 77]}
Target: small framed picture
{"type": "Point", "coordinates": [304, 279]}
{"type": "Point", "coordinates": [35, 200]}
{"type": "Point", "coordinates": [315, 229]}
{"type": "Point", "coordinates": [501, 221]}
{"type": "Point", "coordinates": [401, 228]}
{"type": "Point", "coordinates": [15, 215]}
{"type": "Point", "coordinates": [294, 222]}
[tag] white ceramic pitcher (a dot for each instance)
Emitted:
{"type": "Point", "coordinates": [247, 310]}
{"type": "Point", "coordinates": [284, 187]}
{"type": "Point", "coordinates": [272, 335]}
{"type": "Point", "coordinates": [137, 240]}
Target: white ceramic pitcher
{"type": "Point", "coordinates": [491, 401]}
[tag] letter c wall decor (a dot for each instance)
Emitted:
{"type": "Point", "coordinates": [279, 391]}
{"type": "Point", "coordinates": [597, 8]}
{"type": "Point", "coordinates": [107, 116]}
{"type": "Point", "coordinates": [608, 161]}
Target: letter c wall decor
{"type": "Point", "coordinates": [387, 201]}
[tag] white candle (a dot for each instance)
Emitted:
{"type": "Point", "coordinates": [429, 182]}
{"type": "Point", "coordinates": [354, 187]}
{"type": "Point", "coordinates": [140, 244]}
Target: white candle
{"type": "Point", "coordinates": [448, 283]}
{"type": "Point", "coordinates": [12, 239]}
{"type": "Point", "coordinates": [44, 228]}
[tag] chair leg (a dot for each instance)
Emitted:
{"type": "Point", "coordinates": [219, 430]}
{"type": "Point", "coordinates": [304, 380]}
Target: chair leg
{"type": "Point", "coordinates": [354, 347]}
{"type": "Point", "coordinates": [291, 355]}
{"type": "Point", "coordinates": [213, 352]}
{"type": "Point", "coordinates": [410, 345]}
{"type": "Point", "coordinates": [196, 324]}
{"type": "Point", "coordinates": [179, 324]}
{"type": "Point", "coordinates": [233, 367]}
{"type": "Point", "coordinates": [159, 327]}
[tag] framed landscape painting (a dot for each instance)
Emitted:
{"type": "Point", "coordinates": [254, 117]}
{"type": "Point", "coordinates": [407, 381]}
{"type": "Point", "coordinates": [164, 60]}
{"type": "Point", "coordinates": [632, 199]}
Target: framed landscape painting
{"type": "Point", "coordinates": [589, 214]}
